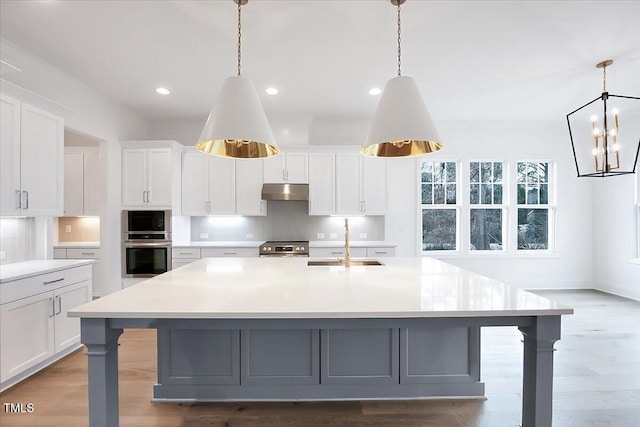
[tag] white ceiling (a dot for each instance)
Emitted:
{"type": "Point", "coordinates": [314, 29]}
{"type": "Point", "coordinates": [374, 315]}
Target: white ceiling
{"type": "Point", "coordinates": [473, 60]}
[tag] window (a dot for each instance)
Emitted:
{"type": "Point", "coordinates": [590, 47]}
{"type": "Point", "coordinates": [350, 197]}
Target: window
{"type": "Point", "coordinates": [439, 189]}
{"type": "Point", "coordinates": [486, 199]}
{"type": "Point", "coordinates": [534, 209]}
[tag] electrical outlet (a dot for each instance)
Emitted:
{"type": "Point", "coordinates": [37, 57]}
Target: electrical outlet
{"type": "Point", "coordinates": [320, 236]}
{"type": "Point", "coordinates": [249, 236]}
{"type": "Point", "coordinates": [67, 229]}
{"type": "Point", "coordinates": [204, 235]}
{"type": "Point", "coordinates": [363, 235]}
{"type": "Point", "coordinates": [3, 255]}
{"type": "Point", "coordinates": [333, 236]}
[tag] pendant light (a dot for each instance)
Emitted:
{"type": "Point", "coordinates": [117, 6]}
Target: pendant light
{"type": "Point", "coordinates": [237, 126]}
{"type": "Point", "coordinates": [602, 147]}
{"type": "Point", "coordinates": [401, 125]}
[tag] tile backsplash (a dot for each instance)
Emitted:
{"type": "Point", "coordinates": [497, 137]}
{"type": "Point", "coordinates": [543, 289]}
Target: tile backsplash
{"type": "Point", "coordinates": [16, 239]}
{"type": "Point", "coordinates": [79, 229]}
{"type": "Point", "coordinates": [288, 220]}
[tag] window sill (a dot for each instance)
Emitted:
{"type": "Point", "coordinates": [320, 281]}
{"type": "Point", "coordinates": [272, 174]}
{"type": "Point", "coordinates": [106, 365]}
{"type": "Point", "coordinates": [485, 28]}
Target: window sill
{"type": "Point", "coordinates": [500, 255]}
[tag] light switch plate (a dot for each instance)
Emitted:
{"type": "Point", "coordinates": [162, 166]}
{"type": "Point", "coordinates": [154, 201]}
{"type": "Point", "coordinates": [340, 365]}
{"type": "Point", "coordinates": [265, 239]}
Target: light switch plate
{"type": "Point", "coordinates": [204, 235]}
{"type": "Point", "coordinates": [333, 236]}
{"type": "Point", "coordinates": [67, 229]}
{"type": "Point", "coordinates": [363, 235]}
{"type": "Point", "coordinates": [320, 236]}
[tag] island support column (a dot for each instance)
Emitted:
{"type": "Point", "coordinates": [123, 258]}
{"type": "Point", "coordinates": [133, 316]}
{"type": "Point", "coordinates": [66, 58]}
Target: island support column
{"type": "Point", "coordinates": [537, 384]}
{"type": "Point", "coordinates": [102, 352]}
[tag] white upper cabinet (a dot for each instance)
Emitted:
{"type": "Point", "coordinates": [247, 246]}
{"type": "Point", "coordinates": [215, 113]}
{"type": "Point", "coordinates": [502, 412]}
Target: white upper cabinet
{"type": "Point", "coordinates": [322, 194]}
{"type": "Point", "coordinates": [82, 189]}
{"type": "Point", "coordinates": [360, 185]}
{"type": "Point", "coordinates": [221, 186]}
{"type": "Point", "coordinates": [249, 188]}
{"type": "Point", "coordinates": [291, 168]}
{"type": "Point", "coordinates": [32, 160]}
{"type": "Point", "coordinates": [151, 175]}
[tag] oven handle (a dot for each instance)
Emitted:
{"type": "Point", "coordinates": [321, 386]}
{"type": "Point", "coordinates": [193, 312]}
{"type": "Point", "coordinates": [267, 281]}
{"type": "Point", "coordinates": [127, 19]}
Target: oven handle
{"type": "Point", "coordinates": [129, 244]}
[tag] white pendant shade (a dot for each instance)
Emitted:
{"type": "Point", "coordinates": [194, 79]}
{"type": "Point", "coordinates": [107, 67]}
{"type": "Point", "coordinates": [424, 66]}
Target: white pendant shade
{"type": "Point", "coordinates": [237, 125]}
{"type": "Point", "coordinates": [402, 125]}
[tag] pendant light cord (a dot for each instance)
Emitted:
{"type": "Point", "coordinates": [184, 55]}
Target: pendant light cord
{"type": "Point", "coordinates": [399, 39]}
{"type": "Point", "coordinates": [239, 36]}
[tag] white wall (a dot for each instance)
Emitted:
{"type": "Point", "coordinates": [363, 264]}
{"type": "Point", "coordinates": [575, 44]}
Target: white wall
{"type": "Point", "coordinates": [88, 112]}
{"type": "Point", "coordinates": [617, 267]}
{"type": "Point", "coordinates": [570, 266]}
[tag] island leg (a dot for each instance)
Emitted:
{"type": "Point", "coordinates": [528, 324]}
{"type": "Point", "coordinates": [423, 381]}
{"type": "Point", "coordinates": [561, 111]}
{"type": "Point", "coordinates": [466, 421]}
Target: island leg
{"type": "Point", "coordinates": [537, 384]}
{"type": "Point", "coordinates": [102, 352]}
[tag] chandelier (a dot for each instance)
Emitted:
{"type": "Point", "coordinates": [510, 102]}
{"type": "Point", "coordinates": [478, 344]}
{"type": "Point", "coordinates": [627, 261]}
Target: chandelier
{"type": "Point", "coordinates": [609, 149]}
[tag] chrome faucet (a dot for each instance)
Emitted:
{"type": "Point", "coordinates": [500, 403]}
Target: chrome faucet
{"type": "Point", "coordinates": [347, 252]}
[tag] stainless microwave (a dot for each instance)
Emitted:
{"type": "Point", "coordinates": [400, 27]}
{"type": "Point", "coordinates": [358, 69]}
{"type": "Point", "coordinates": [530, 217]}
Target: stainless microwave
{"type": "Point", "coordinates": [146, 225]}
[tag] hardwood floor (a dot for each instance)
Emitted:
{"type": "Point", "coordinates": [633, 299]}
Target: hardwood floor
{"type": "Point", "coordinates": [597, 384]}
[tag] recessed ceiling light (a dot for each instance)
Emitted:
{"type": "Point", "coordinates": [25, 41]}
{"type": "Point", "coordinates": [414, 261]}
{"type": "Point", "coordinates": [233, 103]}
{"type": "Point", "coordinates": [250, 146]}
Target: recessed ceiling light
{"type": "Point", "coordinates": [272, 91]}
{"type": "Point", "coordinates": [163, 91]}
{"type": "Point", "coordinates": [375, 91]}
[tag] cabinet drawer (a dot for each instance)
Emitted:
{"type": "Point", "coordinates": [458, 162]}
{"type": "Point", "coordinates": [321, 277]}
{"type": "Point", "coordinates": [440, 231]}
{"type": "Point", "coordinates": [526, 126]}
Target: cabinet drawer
{"type": "Point", "coordinates": [177, 262]}
{"type": "Point", "coordinates": [59, 253]}
{"type": "Point", "coordinates": [229, 252]}
{"type": "Point", "coordinates": [82, 253]}
{"type": "Point", "coordinates": [185, 253]}
{"type": "Point", "coordinates": [22, 288]}
{"type": "Point", "coordinates": [336, 252]}
{"type": "Point", "coordinates": [376, 252]}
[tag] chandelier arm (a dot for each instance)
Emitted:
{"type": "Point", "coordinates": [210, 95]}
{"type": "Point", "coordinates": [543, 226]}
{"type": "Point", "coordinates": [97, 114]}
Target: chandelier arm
{"type": "Point", "coordinates": [588, 103]}
{"type": "Point", "coordinates": [623, 96]}
{"type": "Point", "coordinates": [575, 157]}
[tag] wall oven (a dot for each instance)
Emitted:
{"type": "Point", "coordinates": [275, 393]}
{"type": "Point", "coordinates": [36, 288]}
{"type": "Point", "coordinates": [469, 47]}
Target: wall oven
{"type": "Point", "coordinates": [146, 244]}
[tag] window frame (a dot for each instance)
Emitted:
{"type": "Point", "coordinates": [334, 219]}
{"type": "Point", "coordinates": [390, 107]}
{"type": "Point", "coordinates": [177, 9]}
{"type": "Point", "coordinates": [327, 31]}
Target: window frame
{"type": "Point", "coordinates": [456, 207]}
{"type": "Point", "coordinates": [636, 258]}
{"type": "Point", "coordinates": [504, 207]}
{"type": "Point", "coordinates": [550, 206]}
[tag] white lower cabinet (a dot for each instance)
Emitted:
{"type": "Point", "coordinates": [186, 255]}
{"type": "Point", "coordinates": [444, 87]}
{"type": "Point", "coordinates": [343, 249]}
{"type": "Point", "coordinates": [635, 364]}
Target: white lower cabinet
{"type": "Point", "coordinates": [34, 327]}
{"type": "Point", "coordinates": [360, 251]}
{"type": "Point", "coordinates": [229, 252]}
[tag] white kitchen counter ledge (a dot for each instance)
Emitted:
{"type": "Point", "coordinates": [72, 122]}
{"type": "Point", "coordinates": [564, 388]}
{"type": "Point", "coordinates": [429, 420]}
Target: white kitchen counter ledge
{"type": "Point", "coordinates": [24, 269]}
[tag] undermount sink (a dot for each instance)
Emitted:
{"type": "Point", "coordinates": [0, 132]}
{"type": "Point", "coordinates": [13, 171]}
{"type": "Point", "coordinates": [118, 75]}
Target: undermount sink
{"type": "Point", "coordinates": [337, 263]}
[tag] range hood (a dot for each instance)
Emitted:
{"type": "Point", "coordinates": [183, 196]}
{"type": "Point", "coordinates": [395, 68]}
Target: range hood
{"type": "Point", "coordinates": [285, 191]}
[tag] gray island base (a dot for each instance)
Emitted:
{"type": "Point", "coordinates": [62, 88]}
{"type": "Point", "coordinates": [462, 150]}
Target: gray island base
{"type": "Point", "coordinates": [270, 330]}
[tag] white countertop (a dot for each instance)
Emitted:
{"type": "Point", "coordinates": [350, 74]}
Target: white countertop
{"type": "Point", "coordinates": [352, 243]}
{"type": "Point", "coordinates": [21, 270]}
{"type": "Point", "coordinates": [223, 244]}
{"type": "Point", "coordinates": [88, 245]}
{"type": "Point", "coordinates": [287, 288]}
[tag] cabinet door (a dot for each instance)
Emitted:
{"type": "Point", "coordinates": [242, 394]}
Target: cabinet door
{"type": "Point", "coordinates": [134, 177]}
{"type": "Point", "coordinates": [9, 156]}
{"type": "Point", "coordinates": [93, 192]}
{"type": "Point", "coordinates": [195, 184]}
{"type": "Point", "coordinates": [222, 186]}
{"type": "Point", "coordinates": [67, 329]}
{"type": "Point", "coordinates": [73, 184]}
{"type": "Point", "coordinates": [296, 168]}
{"type": "Point", "coordinates": [41, 162]}
{"type": "Point", "coordinates": [249, 188]}
{"type": "Point", "coordinates": [274, 169]}
{"type": "Point", "coordinates": [159, 178]}
{"type": "Point", "coordinates": [374, 185]}
{"type": "Point", "coordinates": [348, 201]}
{"type": "Point", "coordinates": [322, 190]}
{"type": "Point", "coordinates": [26, 333]}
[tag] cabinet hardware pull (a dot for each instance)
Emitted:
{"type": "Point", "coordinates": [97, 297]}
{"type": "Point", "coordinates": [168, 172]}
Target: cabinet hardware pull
{"type": "Point", "coordinates": [88, 253]}
{"type": "Point", "coordinates": [19, 194]}
{"type": "Point", "coordinates": [26, 199]}
{"type": "Point", "coordinates": [148, 196]}
{"type": "Point", "coordinates": [229, 253]}
{"type": "Point", "coordinates": [53, 307]}
{"type": "Point", "coordinates": [380, 252]}
{"type": "Point", "coordinates": [284, 174]}
{"type": "Point", "coordinates": [53, 281]}
{"type": "Point", "coordinates": [59, 305]}
{"type": "Point", "coordinates": [336, 253]}
{"type": "Point", "coordinates": [184, 253]}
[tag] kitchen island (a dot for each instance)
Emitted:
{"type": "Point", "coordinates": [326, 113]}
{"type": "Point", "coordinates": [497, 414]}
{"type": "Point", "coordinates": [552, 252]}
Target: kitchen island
{"type": "Point", "coordinates": [277, 329]}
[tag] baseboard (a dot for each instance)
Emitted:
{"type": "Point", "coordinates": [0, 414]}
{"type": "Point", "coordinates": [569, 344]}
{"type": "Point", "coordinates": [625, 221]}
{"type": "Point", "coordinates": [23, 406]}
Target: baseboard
{"type": "Point", "coordinates": [620, 291]}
